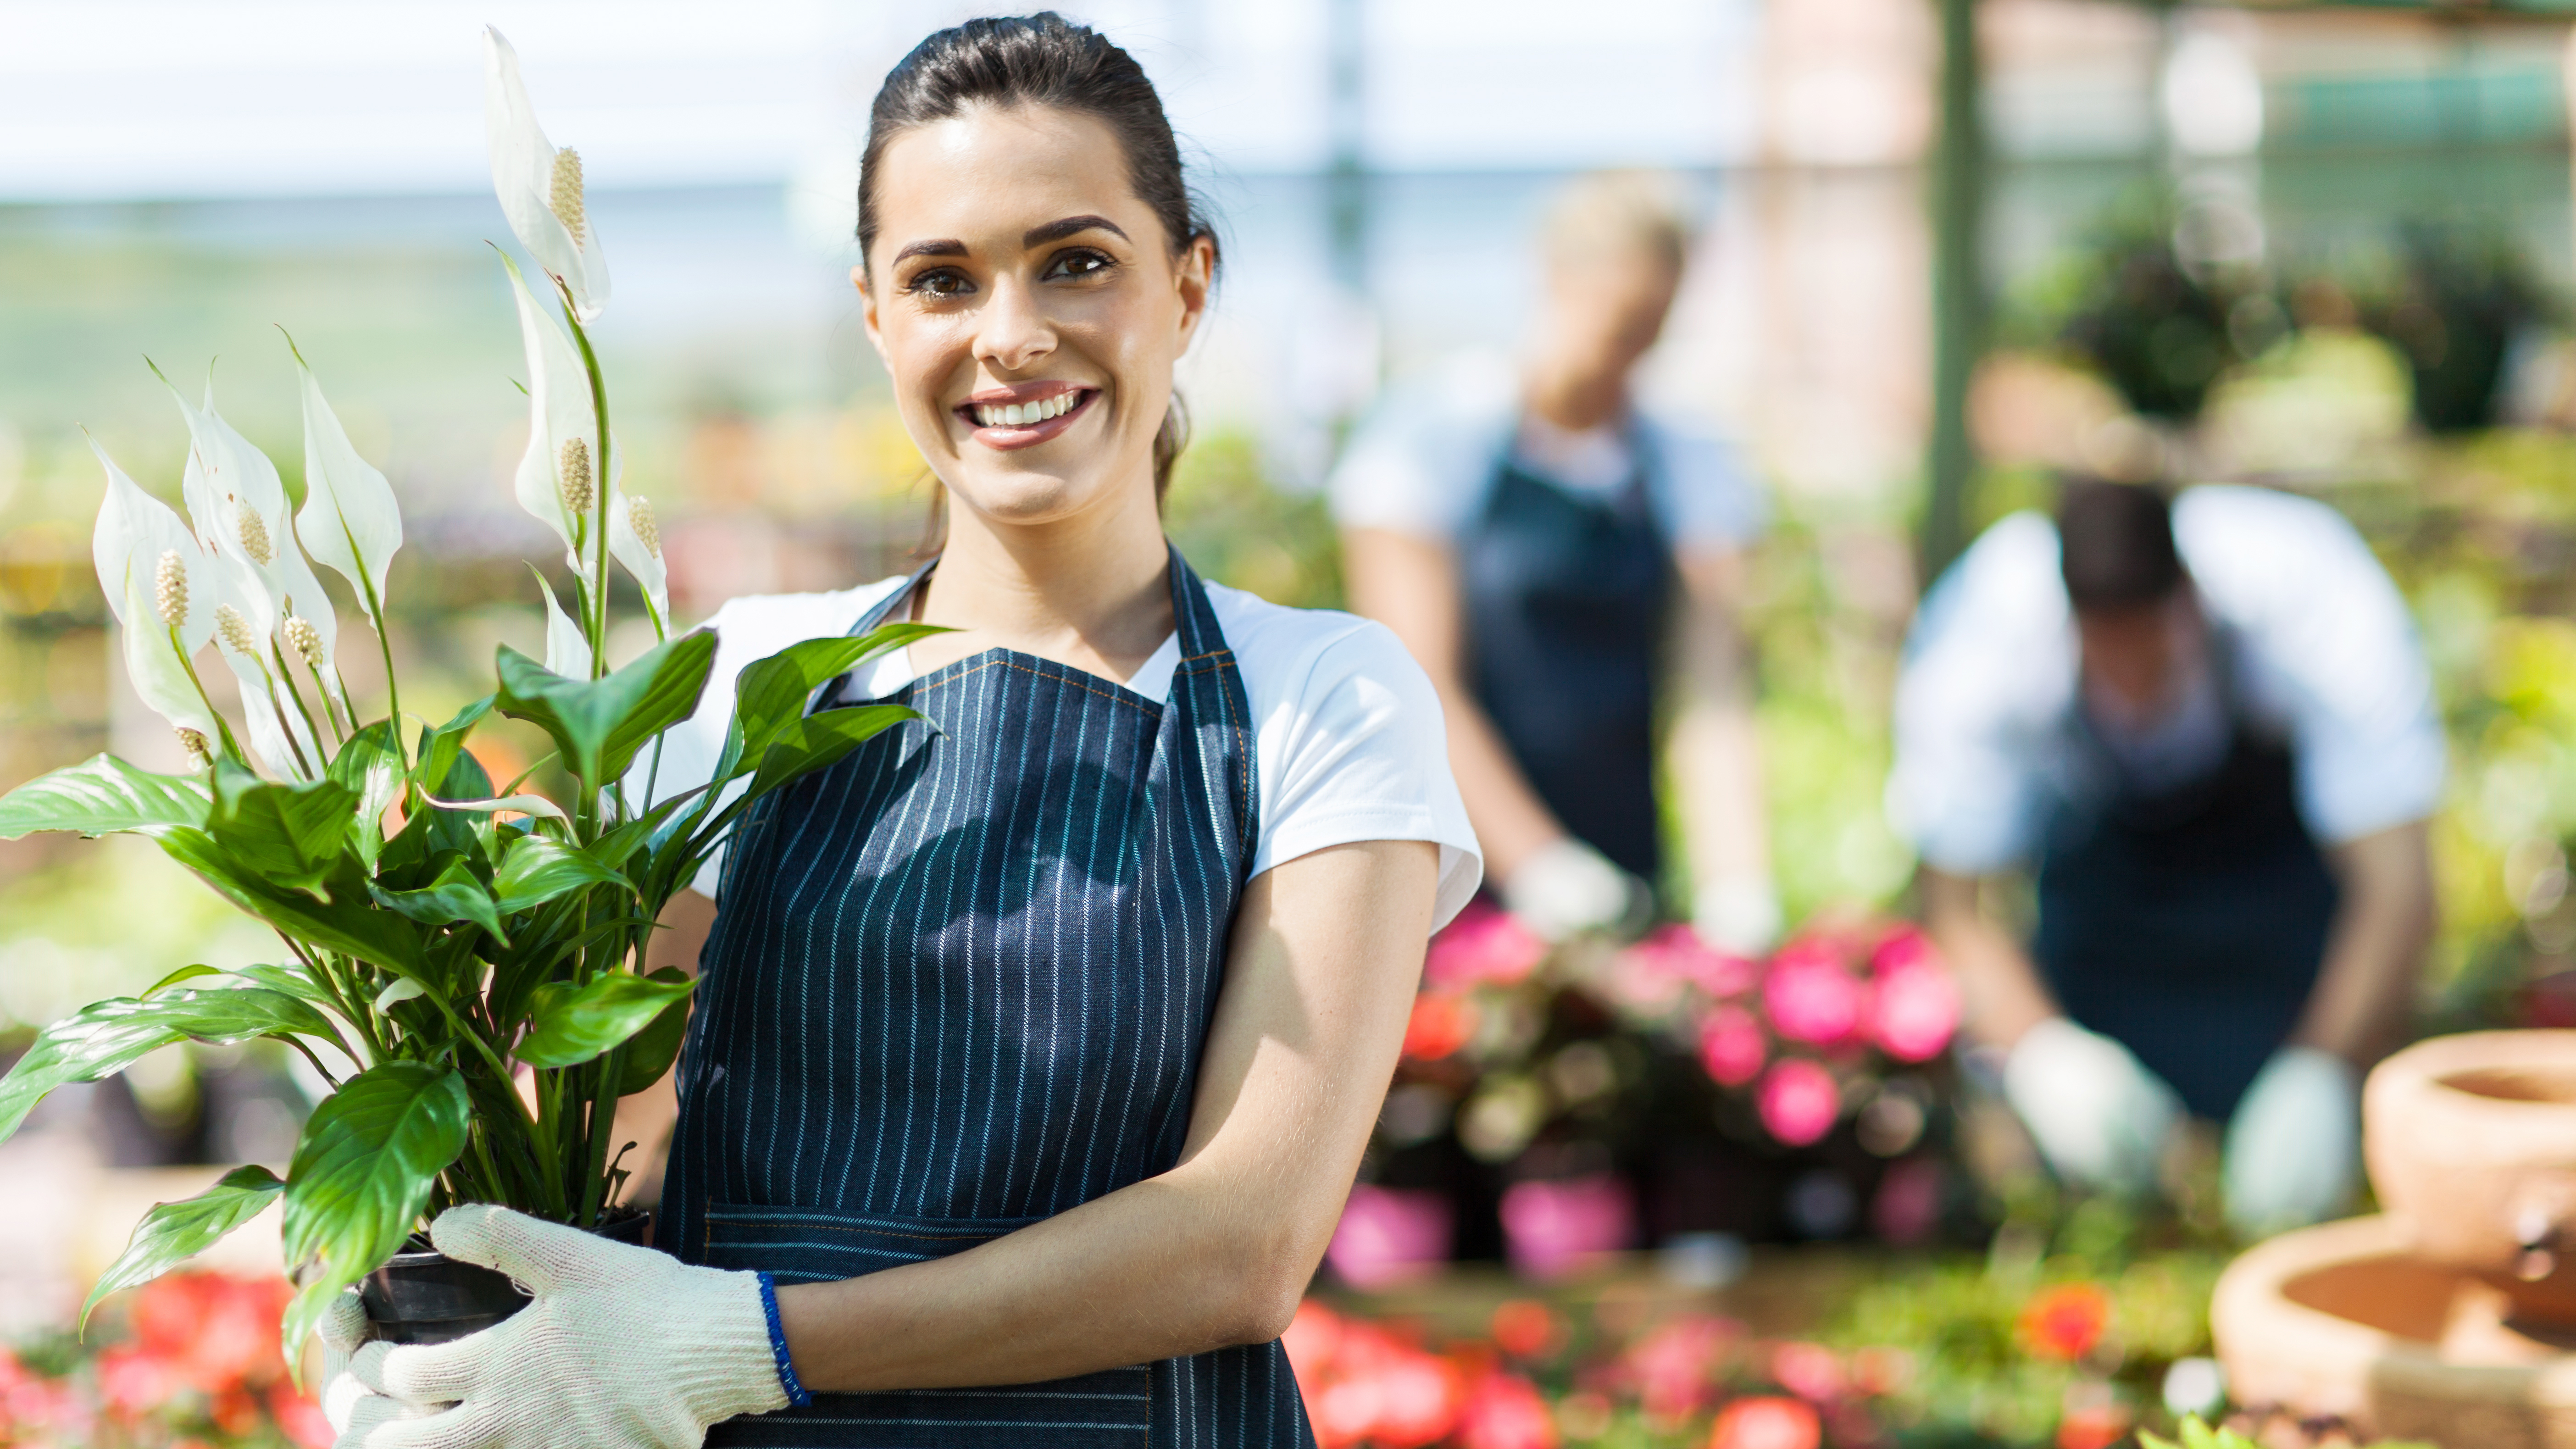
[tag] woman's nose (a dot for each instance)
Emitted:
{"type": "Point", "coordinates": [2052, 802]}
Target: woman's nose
{"type": "Point", "coordinates": [1012, 330]}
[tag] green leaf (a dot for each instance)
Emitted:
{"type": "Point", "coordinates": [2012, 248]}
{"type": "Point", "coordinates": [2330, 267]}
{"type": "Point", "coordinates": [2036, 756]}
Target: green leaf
{"type": "Point", "coordinates": [598, 724]}
{"type": "Point", "coordinates": [650, 1052]}
{"type": "Point", "coordinates": [456, 895]}
{"type": "Point", "coordinates": [103, 795]}
{"type": "Point", "coordinates": [105, 1037]}
{"type": "Point", "coordinates": [174, 1232]}
{"type": "Point", "coordinates": [362, 1175]}
{"type": "Point", "coordinates": [537, 870]}
{"type": "Point", "coordinates": [820, 740]}
{"type": "Point", "coordinates": [355, 927]}
{"type": "Point", "coordinates": [441, 748]}
{"type": "Point", "coordinates": [770, 694]}
{"type": "Point", "coordinates": [370, 766]}
{"type": "Point", "coordinates": [184, 973]}
{"type": "Point", "coordinates": [287, 979]}
{"type": "Point", "coordinates": [289, 834]}
{"type": "Point", "coordinates": [572, 1025]}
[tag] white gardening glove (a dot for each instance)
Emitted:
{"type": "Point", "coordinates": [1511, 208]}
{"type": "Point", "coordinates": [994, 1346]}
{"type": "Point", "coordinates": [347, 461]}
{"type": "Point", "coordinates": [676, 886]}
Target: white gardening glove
{"type": "Point", "coordinates": [2100, 1117]}
{"type": "Point", "coordinates": [1738, 913]}
{"type": "Point", "coordinates": [620, 1346]}
{"type": "Point", "coordinates": [1566, 886]}
{"type": "Point", "coordinates": [2294, 1145]}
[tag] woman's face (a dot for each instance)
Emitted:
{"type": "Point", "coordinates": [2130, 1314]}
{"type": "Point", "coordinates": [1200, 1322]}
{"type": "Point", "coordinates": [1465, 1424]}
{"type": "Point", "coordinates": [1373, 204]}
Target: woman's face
{"type": "Point", "coordinates": [1029, 308]}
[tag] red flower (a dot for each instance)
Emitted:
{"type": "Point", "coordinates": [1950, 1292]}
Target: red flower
{"type": "Point", "coordinates": [1810, 997]}
{"type": "Point", "coordinates": [1382, 1390]}
{"type": "Point", "coordinates": [1914, 1012]}
{"type": "Point", "coordinates": [1732, 1046]}
{"type": "Point", "coordinates": [2065, 1321]}
{"type": "Point", "coordinates": [1505, 1411]}
{"type": "Point", "coordinates": [1880, 1371]}
{"type": "Point", "coordinates": [1523, 1328]}
{"type": "Point", "coordinates": [2097, 1427]}
{"type": "Point", "coordinates": [1810, 1370]}
{"type": "Point", "coordinates": [1672, 1365]}
{"type": "Point", "coordinates": [1799, 1101]}
{"type": "Point", "coordinates": [1440, 1025]}
{"type": "Point", "coordinates": [134, 1381]}
{"type": "Point", "coordinates": [1482, 944]}
{"type": "Point", "coordinates": [1766, 1423]}
{"type": "Point", "coordinates": [301, 1417]}
{"type": "Point", "coordinates": [1314, 1336]}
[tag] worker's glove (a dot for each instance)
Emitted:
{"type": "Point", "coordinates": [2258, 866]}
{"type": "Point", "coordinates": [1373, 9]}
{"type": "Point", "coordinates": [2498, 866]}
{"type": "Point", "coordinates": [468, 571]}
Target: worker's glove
{"type": "Point", "coordinates": [620, 1345]}
{"type": "Point", "coordinates": [2100, 1117]}
{"type": "Point", "coordinates": [1566, 886]}
{"type": "Point", "coordinates": [1738, 913]}
{"type": "Point", "coordinates": [2294, 1145]}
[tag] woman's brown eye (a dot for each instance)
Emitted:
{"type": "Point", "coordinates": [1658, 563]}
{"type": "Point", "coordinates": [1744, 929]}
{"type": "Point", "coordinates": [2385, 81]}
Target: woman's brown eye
{"type": "Point", "coordinates": [1079, 264]}
{"type": "Point", "coordinates": [937, 284]}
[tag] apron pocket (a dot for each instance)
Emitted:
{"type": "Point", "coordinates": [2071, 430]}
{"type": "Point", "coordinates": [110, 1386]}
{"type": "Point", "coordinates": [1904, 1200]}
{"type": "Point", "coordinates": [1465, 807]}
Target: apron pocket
{"type": "Point", "coordinates": [1112, 1409]}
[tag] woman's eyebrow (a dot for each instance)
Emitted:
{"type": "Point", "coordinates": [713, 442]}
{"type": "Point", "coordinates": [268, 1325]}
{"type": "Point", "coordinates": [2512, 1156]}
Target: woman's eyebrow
{"type": "Point", "coordinates": [1038, 236]}
{"type": "Point", "coordinates": [943, 247]}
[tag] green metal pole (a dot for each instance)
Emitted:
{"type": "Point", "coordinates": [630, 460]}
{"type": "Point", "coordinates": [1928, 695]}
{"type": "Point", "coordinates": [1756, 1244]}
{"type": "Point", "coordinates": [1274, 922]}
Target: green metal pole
{"type": "Point", "coordinates": [1958, 288]}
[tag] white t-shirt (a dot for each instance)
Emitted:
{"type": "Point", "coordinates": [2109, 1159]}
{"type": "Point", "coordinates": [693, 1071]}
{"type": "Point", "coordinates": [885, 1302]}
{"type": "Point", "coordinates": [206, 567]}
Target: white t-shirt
{"type": "Point", "coordinates": [1349, 744]}
{"type": "Point", "coordinates": [1425, 462]}
{"type": "Point", "coordinates": [2325, 653]}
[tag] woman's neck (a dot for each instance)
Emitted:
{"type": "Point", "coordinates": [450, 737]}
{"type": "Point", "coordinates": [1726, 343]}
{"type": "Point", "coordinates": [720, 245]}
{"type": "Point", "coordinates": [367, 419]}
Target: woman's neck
{"type": "Point", "coordinates": [1091, 591]}
{"type": "Point", "coordinates": [1576, 402]}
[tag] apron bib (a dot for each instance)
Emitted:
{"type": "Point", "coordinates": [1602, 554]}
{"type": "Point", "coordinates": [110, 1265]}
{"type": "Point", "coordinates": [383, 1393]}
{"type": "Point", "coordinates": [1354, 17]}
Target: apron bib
{"type": "Point", "coordinates": [2189, 925]}
{"type": "Point", "coordinates": [959, 983]}
{"type": "Point", "coordinates": [1566, 603]}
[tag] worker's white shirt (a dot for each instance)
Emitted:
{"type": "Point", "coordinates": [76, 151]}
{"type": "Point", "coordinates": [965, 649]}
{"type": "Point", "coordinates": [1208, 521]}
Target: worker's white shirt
{"type": "Point", "coordinates": [1350, 745]}
{"type": "Point", "coordinates": [1425, 462]}
{"type": "Point", "coordinates": [2323, 651]}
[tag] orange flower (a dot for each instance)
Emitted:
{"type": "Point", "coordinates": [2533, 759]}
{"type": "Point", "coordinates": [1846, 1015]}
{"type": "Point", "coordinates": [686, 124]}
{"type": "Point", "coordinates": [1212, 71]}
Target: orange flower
{"type": "Point", "coordinates": [2064, 1322]}
{"type": "Point", "coordinates": [1767, 1423]}
{"type": "Point", "coordinates": [2099, 1427]}
{"type": "Point", "coordinates": [1439, 1026]}
{"type": "Point", "coordinates": [1523, 1328]}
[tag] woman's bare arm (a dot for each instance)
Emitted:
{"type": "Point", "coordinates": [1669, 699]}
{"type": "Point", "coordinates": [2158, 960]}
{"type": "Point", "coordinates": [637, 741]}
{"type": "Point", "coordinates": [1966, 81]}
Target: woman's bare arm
{"type": "Point", "coordinates": [1410, 585]}
{"type": "Point", "coordinates": [645, 1118]}
{"type": "Point", "coordinates": [1319, 981]}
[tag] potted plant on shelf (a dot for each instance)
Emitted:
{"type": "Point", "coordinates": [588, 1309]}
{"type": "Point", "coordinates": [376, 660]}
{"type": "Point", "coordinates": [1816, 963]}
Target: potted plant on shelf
{"type": "Point", "coordinates": [461, 960]}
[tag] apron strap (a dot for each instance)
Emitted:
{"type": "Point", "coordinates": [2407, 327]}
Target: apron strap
{"type": "Point", "coordinates": [1213, 682]}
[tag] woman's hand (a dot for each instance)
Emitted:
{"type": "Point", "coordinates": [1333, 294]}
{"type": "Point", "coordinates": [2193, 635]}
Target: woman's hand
{"type": "Point", "coordinates": [621, 1346]}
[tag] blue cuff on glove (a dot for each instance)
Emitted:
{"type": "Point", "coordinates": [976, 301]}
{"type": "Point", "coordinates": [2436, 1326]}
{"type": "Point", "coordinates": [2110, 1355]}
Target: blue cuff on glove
{"type": "Point", "coordinates": [797, 1398]}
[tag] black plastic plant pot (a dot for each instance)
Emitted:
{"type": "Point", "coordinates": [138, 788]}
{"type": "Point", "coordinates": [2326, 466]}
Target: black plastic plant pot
{"type": "Point", "coordinates": [424, 1296]}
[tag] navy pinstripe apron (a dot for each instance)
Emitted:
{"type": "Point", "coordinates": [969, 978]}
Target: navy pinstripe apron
{"type": "Point", "coordinates": [958, 983]}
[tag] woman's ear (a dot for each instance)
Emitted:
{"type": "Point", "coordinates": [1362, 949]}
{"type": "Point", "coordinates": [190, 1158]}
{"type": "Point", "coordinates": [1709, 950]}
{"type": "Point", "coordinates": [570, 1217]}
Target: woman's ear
{"type": "Point", "coordinates": [868, 308]}
{"type": "Point", "coordinates": [1192, 274]}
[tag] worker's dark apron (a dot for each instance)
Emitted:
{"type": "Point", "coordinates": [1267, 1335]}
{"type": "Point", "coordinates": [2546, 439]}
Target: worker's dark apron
{"type": "Point", "coordinates": [2190, 924]}
{"type": "Point", "coordinates": [1566, 602]}
{"type": "Point", "coordinates": [959, 983]}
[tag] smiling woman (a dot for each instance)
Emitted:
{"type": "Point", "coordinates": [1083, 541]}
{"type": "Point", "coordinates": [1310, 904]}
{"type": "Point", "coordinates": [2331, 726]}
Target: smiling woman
{"type": "Point", "coordinates": [1038, 1040]}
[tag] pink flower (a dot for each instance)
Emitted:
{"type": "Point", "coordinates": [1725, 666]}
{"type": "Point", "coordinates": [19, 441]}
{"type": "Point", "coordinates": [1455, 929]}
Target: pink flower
{"type": "Point", "coordinates": [1505, 1411]}
{"type": "Point", "coordinates": [1799, 1101]}
{"type": "Point", "coordinates": [1676, 954]}
{"type": "Point", "coordinates": [1907, 1207]}
{"type": "Point", "coordinates": [1314, 1336]}
{"type": "Point", "coordinates": [1732, 1046]}
{"type": "Point", "coordinates": [1673, 1367]}
{"type": "Point", "coordinates": [1766, 1423]}
{"type": "Point", "coordinates": [300, 1416]}
{"type": "Point", "coordinates": [1915, 1010]}
{"type": "Point", "coordinates": [1556, 1229]}
{"type": "Point", "coordinates": [1810, 997]}
{"type": "Point", "coordinates": [1389, 1235]}
{"type": "Point", "coordinates": [1483, 944]}
{"type": "Point", "coordinates": [1419, 1398]}
{"type": "Point", "coordinates": [1810, 1370]}
{"type": "Point", "coordinates": [1903, 947]}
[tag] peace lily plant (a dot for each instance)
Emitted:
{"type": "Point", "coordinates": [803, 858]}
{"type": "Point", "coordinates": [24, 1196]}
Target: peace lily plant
{"type": "Point", "coordinates": [460, 960]}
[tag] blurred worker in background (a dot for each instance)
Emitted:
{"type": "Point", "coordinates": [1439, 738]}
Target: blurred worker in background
{"type": "Point", "coordinates": [1563, 562]}
{"type": "Point", "coordinates": [2210, 730]}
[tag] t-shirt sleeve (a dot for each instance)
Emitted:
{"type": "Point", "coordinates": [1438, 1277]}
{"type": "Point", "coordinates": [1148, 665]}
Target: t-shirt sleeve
{"type": "Point", "coordinates": [2332, 651]}
{"type": "Point", "coordinates": [1420, 464]}
{"type": "Point", "coordinates": [1354, 748]}
{"type": "Point", "coordinates": [1988, 667]}
{"type": "Point", "coordinates": [1705, 493]}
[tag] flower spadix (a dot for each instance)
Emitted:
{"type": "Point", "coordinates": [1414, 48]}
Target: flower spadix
{"type": "Point", "coordinates": [159, 585]}
{"type": "Point", "coordinates": [560, 468]}
{"type": "Point", "coordinates": [350, 523]}
{"type": "Point", "coordinates": [540, 187]}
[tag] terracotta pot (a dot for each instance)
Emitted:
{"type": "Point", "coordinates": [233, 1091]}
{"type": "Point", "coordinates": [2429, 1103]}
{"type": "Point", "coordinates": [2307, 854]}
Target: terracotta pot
{"type": "Point", "coordinates": [2340, 1320]}
{"type": "Point", "coordinates": [2471, 1142]}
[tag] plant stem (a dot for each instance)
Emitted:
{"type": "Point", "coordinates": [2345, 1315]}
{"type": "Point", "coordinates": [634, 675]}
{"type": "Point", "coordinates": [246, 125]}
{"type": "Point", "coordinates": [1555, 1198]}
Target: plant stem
{"type": "Point", "coordinates": [599, 414]}
{"type": "Point", "coordinates": [603, 1125]}
{"type": "Point", "coordinates": [286, 676]}
{"type": "Point", "coordinates": [393, 690]}
{"type": "Point", "coordinates": [232, 746]}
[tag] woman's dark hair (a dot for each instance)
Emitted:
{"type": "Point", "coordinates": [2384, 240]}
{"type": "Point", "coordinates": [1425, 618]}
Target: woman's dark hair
{"type": "Point", "coordinates": [1044, 60]}
{"type": "Point", "coordinates": [2116, 545]}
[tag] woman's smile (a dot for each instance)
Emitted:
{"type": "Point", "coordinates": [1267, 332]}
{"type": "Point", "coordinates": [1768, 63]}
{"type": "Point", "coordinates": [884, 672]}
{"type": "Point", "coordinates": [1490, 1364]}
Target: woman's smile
{"type": "Point", "coordinates": [1025, 414]}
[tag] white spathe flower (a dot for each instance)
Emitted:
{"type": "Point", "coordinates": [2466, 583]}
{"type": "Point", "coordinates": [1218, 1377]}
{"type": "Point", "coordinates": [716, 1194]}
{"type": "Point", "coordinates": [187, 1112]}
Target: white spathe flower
{"type": "Point", "coordinates": [240, 507]}
{"type": "Point", "coordinates": [635, 541]}
{"type": "Point", "coordinates": [350, 522]}
{"type": "Point", "coordinates": [155, 576]}
{"type": "Point", "coordinates": [540, 187]}
{"type": "Point", "coordinates": [266, 707]}
{"type": "Point", "coordinates": [561, 465]}
{"type": "Point", "coordinates": [567, 652]}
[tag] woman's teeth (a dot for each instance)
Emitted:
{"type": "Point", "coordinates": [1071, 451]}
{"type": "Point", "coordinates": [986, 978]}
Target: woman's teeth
{"type": "Point", "coordinates": [1021, 415]}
